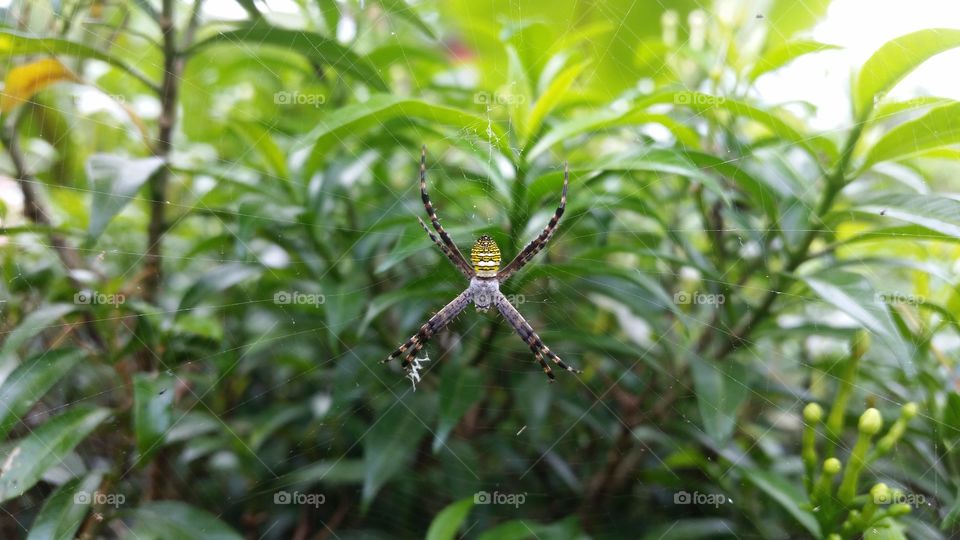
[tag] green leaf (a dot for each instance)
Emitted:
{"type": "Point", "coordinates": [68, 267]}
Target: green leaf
{"type": "Point", "coordinates": [272, 420]}
{"type": "Point", "coordinates": [783, 131]}
{"type": "Point", "coordinates": [608, 118]}
{"type": "Point", "coordinates": [785, 53]}
{"type": "Point", "coordinates": [689, 528]}
{"type": "Point", "coordinates": [18, 44]}
{"type": "Point", "coordinates": [935, 213]}
{"type": "Point", "coordinates": [449, 520]}
{"type": "Point", "coordinates": [759, 192]}
{"type": "Point", "coordinates": [251, 9]}
{"type": "Point", "coordinates": [950, 426]}
{"type": "Point", "coordinates": [854, 295]}
{"type": "Point", "coordinates": [34, 323]}
{"type": "Point", "coordinates": [407, 12]}
{"type": "Point", "coordinates": [520, 89]}
{"type": "Point", "coordinates": [168, 519]}
{"type": "Point", "coordinates": [215, 281]}
{"type": "Point", "coordinates": [152, 411]}
{"type": "Point", "coordinates": [895, 60]}
{"type": "Point", "coordinates": [333, 472]}
{"type": "Point", "coordinates": [885, 529]}
{"type": "Point", "coordinates": [887, 109]}
{"type": "Point", "coordinates": [788, 17]}
{"type": "Point", "coordinates": [389, 445]}
{"type": "Point", "coordinates": [115, 181]}
{"type": "Point", "coordinates": [257, 137]}
{"type": "Point", "coordinates": [721, 388]}
{"type": "Point", "coordinates": [937, 128]}
{"type": "Point", "coordinates": [331, 15]}
{"type": "Point", "coordinates": [352, 120]}
{"type": "Point", "coordinates": [908, 233]}
{"type": "Point", "coordinates": [787, 495]}
{"type": "Point", "coordinates": [460, 387]}
{"type": "Point", "coordinates": [25, 461]}
{"type": "Point", "coordinates": [409, 242]}
{"type": "Point", "coordinates": [312, 45]}
{"type": "Point", "coordinates": [658, 160]}
{"type": "Point", "coordinates": [550, 98]}
{"type": "Point", "coordinates": [509, 530]}
{"type": "Point", "coordinates": [30, 381]}
{"type": "Point", "coordinates": [63, 511]}
{"type": "Point", "coordinates": [519, 529]}
{"type": "Point", "coordinates": [953, 515]}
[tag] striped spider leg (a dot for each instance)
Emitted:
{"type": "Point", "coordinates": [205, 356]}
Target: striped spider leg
{"type": "Point", "coordinates": [525, 331]}
{"type": "Point", "coordinates": [485, 277]}
{"type": "Point", "coordinates": [445, 243]}
{"type": "Point", "coordinates": [541, 240]}
{"type": "Point", "coordinates": [412, 346]}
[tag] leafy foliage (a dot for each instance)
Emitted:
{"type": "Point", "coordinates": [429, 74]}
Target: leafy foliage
{"type": "Point", "coordinates": [203, 270]}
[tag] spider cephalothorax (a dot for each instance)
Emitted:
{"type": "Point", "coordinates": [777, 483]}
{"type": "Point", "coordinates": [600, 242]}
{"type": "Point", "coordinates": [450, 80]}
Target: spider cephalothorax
{"type": "Point", "coordinates": [485, 277]}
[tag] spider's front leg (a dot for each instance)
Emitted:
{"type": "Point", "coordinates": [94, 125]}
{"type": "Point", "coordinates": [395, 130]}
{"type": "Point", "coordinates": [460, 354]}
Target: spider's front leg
{"type": "Point", "coordinates": [444, 242]}
{"type": "Point", "coordinates": [541, 240]}
{"type": "Point", "coordinates": [526, 332]}
{"type": "Point", "coordinates": [436, 323]}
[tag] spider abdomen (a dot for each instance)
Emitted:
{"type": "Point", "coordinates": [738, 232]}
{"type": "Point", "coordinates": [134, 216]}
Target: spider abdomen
{"type": "Point", "coordinates": [485, 256]}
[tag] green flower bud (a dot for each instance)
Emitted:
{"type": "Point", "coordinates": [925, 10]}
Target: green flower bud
{"type": "Point", "coordinates": [898, 509]}
{"type": "Point", "coordinates": [823, 487]}
{"type": "Point", "coordinates": [860, 344]}
{"type": "Point", "coordinates": [812, 413]}
{"type": "Point", "coordinates": [909, 410]}
{"type": "Point", "coordinates": [870, 422]}
{"type": "Point", "coordinates": [880, 494]}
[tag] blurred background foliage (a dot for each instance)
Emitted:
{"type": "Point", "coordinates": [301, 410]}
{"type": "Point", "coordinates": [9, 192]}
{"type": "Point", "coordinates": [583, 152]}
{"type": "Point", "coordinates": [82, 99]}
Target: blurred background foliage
{"type": "Point", "coordinates": [209, 242]}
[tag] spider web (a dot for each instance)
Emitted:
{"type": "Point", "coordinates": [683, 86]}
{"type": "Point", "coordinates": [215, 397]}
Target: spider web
{"type": "Point", "coordinates": [562, 451]}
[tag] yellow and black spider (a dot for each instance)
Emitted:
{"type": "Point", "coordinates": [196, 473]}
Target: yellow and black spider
{"type": "Point", "coordinates": [485, 278]}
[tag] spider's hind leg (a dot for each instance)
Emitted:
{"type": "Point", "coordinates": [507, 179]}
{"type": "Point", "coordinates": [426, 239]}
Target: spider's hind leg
{"type": "Point", "coordinates": [525, 331]}
{"type": "Point", "coordinates": [412, 346]}
{"type": "Point", "coordinates": [544, 365]}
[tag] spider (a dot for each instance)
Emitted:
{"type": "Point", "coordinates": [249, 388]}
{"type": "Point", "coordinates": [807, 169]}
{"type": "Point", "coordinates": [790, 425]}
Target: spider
{"type": "Point", "coordinates": [485, 277]}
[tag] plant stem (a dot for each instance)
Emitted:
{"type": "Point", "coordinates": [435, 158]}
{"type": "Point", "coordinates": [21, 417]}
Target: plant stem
{"type": "Point", "coordinates": [835, 183]}
{"type": "Point", "coordinates": [172, 67]}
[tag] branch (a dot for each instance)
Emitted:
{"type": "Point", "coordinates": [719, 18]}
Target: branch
{"type": "Point", "coordinates": [835, 183]}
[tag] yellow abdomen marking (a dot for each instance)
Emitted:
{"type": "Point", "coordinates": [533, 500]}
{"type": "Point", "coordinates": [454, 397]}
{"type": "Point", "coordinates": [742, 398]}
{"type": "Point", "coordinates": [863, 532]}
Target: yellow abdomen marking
{"type": "Point", "coordinates": [485, 257]}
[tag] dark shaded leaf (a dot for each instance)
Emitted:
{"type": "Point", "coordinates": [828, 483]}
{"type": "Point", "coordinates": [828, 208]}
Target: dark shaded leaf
{"type": "Point", "coordinates": [30, 381]}
{"type": "Point", "coordinates": [25, 461]}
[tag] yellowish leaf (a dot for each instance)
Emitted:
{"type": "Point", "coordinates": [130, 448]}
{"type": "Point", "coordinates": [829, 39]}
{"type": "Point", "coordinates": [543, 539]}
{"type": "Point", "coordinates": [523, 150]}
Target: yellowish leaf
{"type": "Point", "coordinates": [24, 81]}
